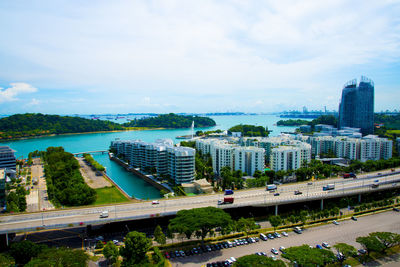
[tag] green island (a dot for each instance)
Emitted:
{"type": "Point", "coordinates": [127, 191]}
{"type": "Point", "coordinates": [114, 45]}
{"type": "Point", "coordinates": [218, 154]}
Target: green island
{"type": "Point", "coordinates": [324, 119]}
{"type": "Point", "coordinates": [171, 120]}
{"type": "Point", "coordinates": [250, 130]}
{"type": "Point", "coordinates": [30, 125]}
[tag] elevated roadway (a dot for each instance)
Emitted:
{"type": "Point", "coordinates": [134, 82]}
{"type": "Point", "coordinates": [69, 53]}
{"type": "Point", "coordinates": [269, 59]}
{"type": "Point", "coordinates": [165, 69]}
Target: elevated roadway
{"type": "Point", "coordinates": [251, 197]}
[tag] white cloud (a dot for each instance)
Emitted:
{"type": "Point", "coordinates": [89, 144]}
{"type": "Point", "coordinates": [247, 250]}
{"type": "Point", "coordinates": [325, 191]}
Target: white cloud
{"type": "Point", "coordinates": [34, 102]}
{"type": "Point", "coordinates": [10, 94]}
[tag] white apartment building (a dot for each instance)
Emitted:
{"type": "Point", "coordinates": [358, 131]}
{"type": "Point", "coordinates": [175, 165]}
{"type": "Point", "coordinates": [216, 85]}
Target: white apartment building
{"type": "Point", "coordinates": [249, 159]}
{"type": "Point", "coordinates": [290, 157]}
{"type": "Point", "coordinates": [178, 162]}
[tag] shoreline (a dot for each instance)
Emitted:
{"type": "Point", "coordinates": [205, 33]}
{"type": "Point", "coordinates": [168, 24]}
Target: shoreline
{"type": "Point", "coordinates": [52, 135]}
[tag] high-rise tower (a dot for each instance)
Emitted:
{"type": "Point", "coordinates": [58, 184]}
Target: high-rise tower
{"type": "Point", "coordinates": [356, 107]}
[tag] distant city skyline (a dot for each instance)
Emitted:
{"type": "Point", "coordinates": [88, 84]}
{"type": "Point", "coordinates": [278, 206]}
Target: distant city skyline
{"type": "Point", "coordinates": [97, 57]}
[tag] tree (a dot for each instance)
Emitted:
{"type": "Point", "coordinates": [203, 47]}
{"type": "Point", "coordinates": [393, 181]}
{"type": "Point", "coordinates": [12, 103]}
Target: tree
{"type": "Point", "coordinates": [24, 251]}
{"type": "Point", "coordinates": [275, 221]}
{"type": "Point", "coordinates": [246, 225]}
{"type": "Point", "coordinates": [387, 239]}
{"type": "Point", "coordinates": [370, 243]}
{"type": "Point", "coordinates": [60, 257]}
{"type": "Point", "coordinates": [6, 260]}
{"type": "Point", "coordinates": [306, 256]}
{"type": "Point", "coordinates": [303, 216]}
{"type": "Point", "coordinates": [346, 250]}
{"type": "Point", "coordinates": [199, 219]}
{"type": "Point", "coordinates": [159, 236]}
{"type": "Point", "coordinates": [136, 247]}
{"type": "Point", "coordinates": [256, 260]}
{"type": "Point", "coordinates": [169, 234]}
{"type": "Point", "coordinates": [110, 251]}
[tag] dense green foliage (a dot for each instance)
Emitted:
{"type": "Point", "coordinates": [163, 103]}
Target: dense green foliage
{"type": "Point", "coordinates": [24, 251]}
{"type": "Point", "coordinates": [324, 119]}
{"type": "Point", "coordinates": [292, 122]}
{"type": "Point", "coordinates": [199, 221]}
{"type": "Point", "coordinates": [346, 250]}
{"type": "Point", "coordinates": [379, 241]}
{"type": "Point", "coordinates": [89, 159]}
{"type": "Point", "coordinates": [36, 124]}
{"type": "Point", "coordinates": [231, 179]}
{"type": "Point", "coordinates": [275, 221]}
{"type": "Point", "coordinates": [16, 201]}
{"type": "Point", "coordinates": [250, 130]}
{"type": "Point", "coordinates": [389, 121]}
{"type": "Point", "coordinates": [257, 261]}
{"type": "Point", "coordinates": [6, 260]}
{"type": "Point", "coordinates": [306, 256]}
{"type": "Point", "coordinates": [65, 184]}
{"type": "Point", "coordinates": [246, 225]}
{"type": "Point", "coordinates": [172, 120]}
{"type": "Point", "coordinates": [135, 249]}
{"type": "Point", "coordinates": [111, 252]}
{"type": "Point", "coordinates": [159, 236]}
{"type": "Point", "coordinates": [60, 257]}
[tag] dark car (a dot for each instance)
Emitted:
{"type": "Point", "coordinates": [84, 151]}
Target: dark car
{"type": "Point", "coordinates": [396, 209]}
{"type": "Point", "coordinates": [276, 194]}
{"type": "Point", "coordinates": [362, 251]}
{"type": "Point", "coordinates": [297, 192]}
{"type": "Point", "coordinates": [354, 218]}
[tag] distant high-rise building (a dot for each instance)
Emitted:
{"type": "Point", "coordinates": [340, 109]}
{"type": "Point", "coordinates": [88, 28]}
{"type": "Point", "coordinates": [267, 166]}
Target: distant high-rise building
{"type": "Point", "coordinates": [356, 107]}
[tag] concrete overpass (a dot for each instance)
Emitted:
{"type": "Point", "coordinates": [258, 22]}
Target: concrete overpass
{"type": "Point", "coordinates": [251, 197]}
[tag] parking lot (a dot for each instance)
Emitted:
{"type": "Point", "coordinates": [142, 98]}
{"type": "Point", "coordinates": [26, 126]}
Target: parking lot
{"type": "Point", "coordinates": [346, 231]}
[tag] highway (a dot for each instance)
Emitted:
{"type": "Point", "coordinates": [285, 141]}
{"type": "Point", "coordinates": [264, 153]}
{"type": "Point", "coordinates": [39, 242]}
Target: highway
{"type": "Point", "coordinates": [250, 197]}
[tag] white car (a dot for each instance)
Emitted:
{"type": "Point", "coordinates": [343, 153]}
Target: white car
{"type": "Point", "coordinates": [325, 245]}
{"type": "Point", "coordinates": [155, 202]}
{"type": "Point", "coordinates": [274, 251]}
{"type": "Point", "coordinates": [285, 234]}
{"type": "Point", "coordinates": [232, 259]}
{"type": "Point", "coordinates": [282, 249]}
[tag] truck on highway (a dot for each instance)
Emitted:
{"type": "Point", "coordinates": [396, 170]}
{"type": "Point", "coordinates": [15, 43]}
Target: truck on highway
{"type": "Point", "coordinates": [328, 187]}
{"type": "Point", "coordinates": [271, 187]}
{"type": "Point", "coordinates": [228, 192]}
{"type": "Point", "coordinates": [104, 214]}
{"type": "Point", "coordinates": [227, 200]}
{"type": "Point", "coordinates": [350, 175]}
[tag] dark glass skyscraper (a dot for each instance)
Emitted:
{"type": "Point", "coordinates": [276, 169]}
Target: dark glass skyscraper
{"type": "Point", "coordinates": [356, 107]}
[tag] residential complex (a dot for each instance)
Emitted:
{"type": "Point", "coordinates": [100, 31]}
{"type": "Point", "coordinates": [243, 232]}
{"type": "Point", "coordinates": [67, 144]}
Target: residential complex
{"type": "Point", "coordinates": [7, 158]}
{"type": "Point", "coordinates": [369, 147]}
{"type": "Point", "coordinates": [160, 157]}
{"type": "Point", "coordinates": [356, 108]}
{"type": "Point", "coordinates": [290, 157]}
{"type": "Point", "coordinates": [223, 153]}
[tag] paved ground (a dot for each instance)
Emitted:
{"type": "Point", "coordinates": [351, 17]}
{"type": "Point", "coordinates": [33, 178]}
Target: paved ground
{"type": "Point", "coordinates": [38, 174]}
{"type": "Point", "coordinates": [90, 176]}
{"type": "Point", "coordinates": [346, 232]}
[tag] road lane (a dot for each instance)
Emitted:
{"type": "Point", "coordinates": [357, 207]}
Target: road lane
{"type": "Point", "coordinates": [253, 197]}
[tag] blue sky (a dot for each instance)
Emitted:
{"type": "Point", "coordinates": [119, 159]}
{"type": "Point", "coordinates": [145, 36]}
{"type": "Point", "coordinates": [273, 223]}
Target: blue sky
{"type": "Point", "coordinates": [65, 57]}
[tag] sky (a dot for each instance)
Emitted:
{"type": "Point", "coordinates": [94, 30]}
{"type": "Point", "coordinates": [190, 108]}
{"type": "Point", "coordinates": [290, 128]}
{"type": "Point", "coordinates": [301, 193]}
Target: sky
{"type": "Point", "coordinates": [99, 56]}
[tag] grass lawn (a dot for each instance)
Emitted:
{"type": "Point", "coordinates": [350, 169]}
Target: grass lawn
{"type": "Point", "coordinates": [109, 195]}
{"type": "Point", "coordinates": [393, 131]}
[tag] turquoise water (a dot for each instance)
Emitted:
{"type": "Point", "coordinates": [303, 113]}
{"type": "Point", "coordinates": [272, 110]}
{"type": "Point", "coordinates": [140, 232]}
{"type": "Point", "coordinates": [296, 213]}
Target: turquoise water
{"type": "Point", "coordinates": [131, 184]}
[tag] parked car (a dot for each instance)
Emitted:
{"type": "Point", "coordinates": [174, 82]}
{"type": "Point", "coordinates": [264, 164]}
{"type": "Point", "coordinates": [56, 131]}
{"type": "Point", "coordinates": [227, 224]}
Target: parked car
{"type": "Point", "coordinates": [282, 249]}
{"type": "Point", "coordinates": [354, 218]}
{"type": "Point", "coordinates": [285, 234]}
{"type": "Point", "coordinates": [335, 223]}
{"type": "Point", "coordinates": [167, 255]}
{"type": "Point", "coordinates": [276, 194]}
{"type": "Point", "coordinates": [319, 246]}
{"type": "Point", "coordinates": [297, 230]}
{"type": "Point", "coordinates": [270, 236]}
{"type": "Point", "coordinates": [274, 251]}
{"type": "Point", "coordinates": [362, 251]}
{"type": "Point", "coordinates": [325, 245]}
{"type": "Point", "coordinates": [263, 237]}
{"type": "Point", "coordinates": [260, 253]}
{"type": "Point", "coordinates": [396, 209]}
{"type": "Point", "coordinates": [278, 235]}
